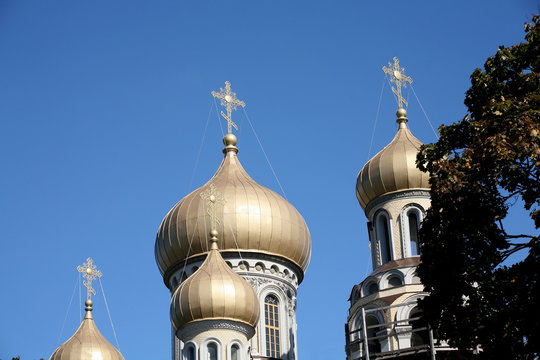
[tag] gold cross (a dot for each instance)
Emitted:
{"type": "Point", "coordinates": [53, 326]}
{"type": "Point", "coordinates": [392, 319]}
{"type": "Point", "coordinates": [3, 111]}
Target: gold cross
{"type": "Point", "coordinates": [212, 198]}
{"type": "Point", "coordinates": [90, 273]}
{"type": "Point", "coordinates": [230, 102]}
{"type": "Point", "coordinates": [398, 77]}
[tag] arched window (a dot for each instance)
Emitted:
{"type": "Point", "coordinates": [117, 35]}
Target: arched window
{"type": "Point", "coordinates": [394, 281]}
{"type": "Point", "coordinates": [212, 350]}
{"type": "Point", "coordinates": [383, 238]}
{"type": "Point", "coordinates": [372, 288]}
{"type": "Point", "coordinates": [420, 335]}
{"type": "Point", "coordinates": [371, 330]}
{"type": "Point", "coordinates": [411, 219]}
{"type": "Point", "coordinates": [271, 316]}
{"type": "Point", "coordinates": [190, 352]}
{"type": "Point", "coordinates": [414, 226]}
{"type": "Point", "coordinates": [235, 352]}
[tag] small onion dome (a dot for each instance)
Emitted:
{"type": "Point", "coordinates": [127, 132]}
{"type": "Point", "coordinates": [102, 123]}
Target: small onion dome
{"type": "Point", "coordinates": [214, 291]}
{"type": "Point", "coordinates": [254, 219]}
{"type": "Point", "coordinates": [393, 168]}
{"type": "Point", "coordinates": [87, 343]}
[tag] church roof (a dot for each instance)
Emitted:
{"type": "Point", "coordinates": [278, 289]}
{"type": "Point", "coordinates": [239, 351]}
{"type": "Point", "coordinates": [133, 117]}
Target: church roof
{"type": "Point", "coordinates": [214, 291]}
{"type": "Point", "coordinates": [253, 219]}
{"type": "Point", "coordinates": [87, 343]}
{"type": "Point", "coordinates": [393, 168]}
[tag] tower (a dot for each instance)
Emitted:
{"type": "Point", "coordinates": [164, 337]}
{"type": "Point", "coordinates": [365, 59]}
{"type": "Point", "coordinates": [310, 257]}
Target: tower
{"type": "Point", "coordinates": [87, 343]}
{"type": "Point", "coordinates": [383, 318]}
{"type": "Point", "coordinates": [261, 237]}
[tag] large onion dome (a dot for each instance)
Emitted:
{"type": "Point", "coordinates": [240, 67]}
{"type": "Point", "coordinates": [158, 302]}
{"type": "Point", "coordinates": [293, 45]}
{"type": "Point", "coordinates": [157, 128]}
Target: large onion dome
{"type": "Point", "coordinates": [87, 343]}
{"type": "Point", "coordinates": [254, 219]}
{"type": "Point", "coordinates": [214, 291]}
{"type": "Point", "coordinates": [393, 168]}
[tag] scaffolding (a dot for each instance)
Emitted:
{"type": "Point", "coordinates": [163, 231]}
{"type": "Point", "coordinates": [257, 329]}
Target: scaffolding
{"type": "Point", "coordinates": [390, 332]}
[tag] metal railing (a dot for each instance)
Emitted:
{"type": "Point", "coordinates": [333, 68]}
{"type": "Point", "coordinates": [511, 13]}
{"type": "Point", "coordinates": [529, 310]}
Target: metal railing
{"type": "Point", "coordinates": [391, 331]}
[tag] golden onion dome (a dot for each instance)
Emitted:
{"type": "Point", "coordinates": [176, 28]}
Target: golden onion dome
{"type": "Point", "coordinates": [393, 168]}
{"type": "Point", "coordinates": [214, 291]}
{"type": "Point", "coordinates": [87, 343]}
{"type": "Point", "coordinates": [254, 219]}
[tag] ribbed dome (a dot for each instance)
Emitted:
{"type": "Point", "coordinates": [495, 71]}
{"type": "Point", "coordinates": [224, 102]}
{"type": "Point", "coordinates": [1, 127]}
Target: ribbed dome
{"type": "Point", "coordinates": [393, 168]}
{"type": "Point", "coordinates": [214, 291]}
{"type": "Point", "coordinates": [87, 343]}
{"type": "Point", "coordinates": [253, 219]}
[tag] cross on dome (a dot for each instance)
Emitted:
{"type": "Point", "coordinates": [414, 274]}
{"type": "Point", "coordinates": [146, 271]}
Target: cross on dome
{"type": "Point", "coordinates": [230, 102]}
{"type": "Point", "coordinates": [212, 198]}
{"type": "Point", "coordinates": [398, 77]}
{"type": "Point", "coordinates": [90, 273]}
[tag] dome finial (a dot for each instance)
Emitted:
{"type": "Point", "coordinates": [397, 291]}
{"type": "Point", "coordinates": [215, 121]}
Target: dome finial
{"type": "Point", "coordinates": [402, 120]}
{"type": "Point", "coordinates": [230, 102]}
{"type": "Point", "coordinates": [88, 308]}
{"type": "Point", "coordinates": [230, 140]}
{"type": "Point", "coordinates": [214, 239]}
{"type": "Point", "coordinates": [398, 77]}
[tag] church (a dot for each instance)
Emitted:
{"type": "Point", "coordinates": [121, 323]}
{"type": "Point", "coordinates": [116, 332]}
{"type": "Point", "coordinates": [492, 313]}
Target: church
{"type": "Point", "coordinates": [233, 254]}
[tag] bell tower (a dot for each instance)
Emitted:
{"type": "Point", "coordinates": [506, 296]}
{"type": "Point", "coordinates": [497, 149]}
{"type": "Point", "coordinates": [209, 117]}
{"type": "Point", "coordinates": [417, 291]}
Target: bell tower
{"type": "Point", "coordinates": [383, 317]}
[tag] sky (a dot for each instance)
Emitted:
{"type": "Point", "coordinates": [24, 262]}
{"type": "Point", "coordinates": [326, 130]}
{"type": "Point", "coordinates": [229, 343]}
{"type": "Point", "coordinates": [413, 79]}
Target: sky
{"type": "Point", "coordinates": [106, 121]}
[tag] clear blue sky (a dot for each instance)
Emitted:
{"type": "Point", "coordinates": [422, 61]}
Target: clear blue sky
{"type": "Point", "coordinates": [103, 105]}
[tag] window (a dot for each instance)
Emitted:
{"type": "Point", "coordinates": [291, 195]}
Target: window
{"type": "Point", "coordinates": [374, 345]}
{"type": "Point", "coordinates": [190, 352]}
{"type": "Point", "coordinates": [412, 218]}
{"type": "Point", "coordinates": [394, 281]}
{"type": "Point", "coordinates": [383, 238]}
{"type": "Point", "coordinates": [235, 352]}
{"type": "Point", "coordinates": [420, 334]}
{"type": "Point", "coordinates": [372, 288]}
{"type": "Point", "coordinates": [212, 350]}
{"type": "Point", "coordinates": [271, 316]}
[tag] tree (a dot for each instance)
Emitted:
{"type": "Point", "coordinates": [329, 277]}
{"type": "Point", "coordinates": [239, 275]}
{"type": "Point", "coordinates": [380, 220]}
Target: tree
{"type": "Point", "coordinates": [479, 168]}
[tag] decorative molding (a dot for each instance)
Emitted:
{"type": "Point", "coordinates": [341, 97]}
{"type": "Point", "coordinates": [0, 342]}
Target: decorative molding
{"type": "Point", "coordinates": [261, 280]}
{"type": "Point", "coordinates": [192, 329]}
{"type": "Point", "coordinates": [242, 254]}
{"type": "Point", "coordinates": [231, 326]}
{"type": "Point", "coordinates": [256, 282]}
{"type": "Point", "coordinates": [398, 195]}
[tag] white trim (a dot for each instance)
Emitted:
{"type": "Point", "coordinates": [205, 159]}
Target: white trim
{"type": "Point", "coordinates": [383, 282]}
{"type": "Point", "coordinates": [384, 214]}
{"type": "Point", "coordinates": [188, 345]}
{"type": "Point", "coordinates": [404, 216]}
{"type": "Point", "coordinates": [283, 319]}
{"type": "Point", "coordinates": [204, 348]}
{"type": "Point", "coordinates": [240, 349]}
{"type": "Point", "coordinates": [404, 311]}
{"type": "Point", "coordinates": [367, 283]}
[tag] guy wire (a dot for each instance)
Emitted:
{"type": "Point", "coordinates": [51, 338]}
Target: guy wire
{"type": "Point", "coordinates": [69, 307]}
{"type": "Point", "coordinates": [264, 152]}
{"type": "Point", "coordinates": [109, 313]}
{"type": "Point", "coordinates": [425, 114]}
{"type": "Point", "coordinates": [376, 119]}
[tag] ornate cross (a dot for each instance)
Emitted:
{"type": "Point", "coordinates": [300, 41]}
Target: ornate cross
{"type": "Point", "coordinates": [90, 273]}
{"type": "Point", "coordinates": [212, 198]}
{"type": "Point", "coordinates": [230, 102]}
{"type": "Point", "coordinates": [398, 77]}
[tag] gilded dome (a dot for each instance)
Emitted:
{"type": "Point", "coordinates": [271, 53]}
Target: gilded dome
{"type": "Point", "coordinates": [393, 168]}
{"type": "Point", "coordinates": [214, 291]}
{"type": "Point", "coordinates": [253, 219]}
{"type": "Point", "coordinates": [87, 343]}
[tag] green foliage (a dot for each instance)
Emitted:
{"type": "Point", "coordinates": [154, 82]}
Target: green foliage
{"type": "Point", "coordinates": [478, 168]}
